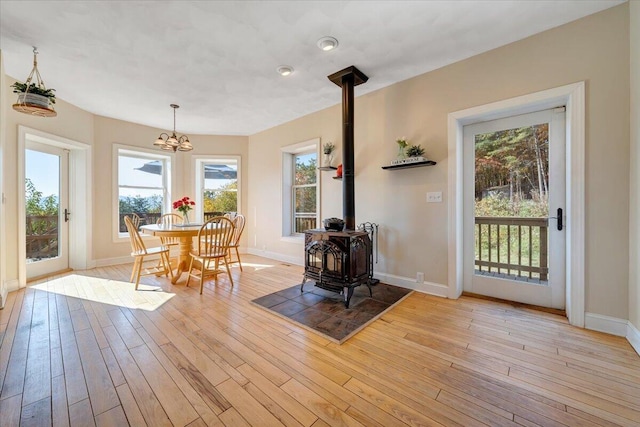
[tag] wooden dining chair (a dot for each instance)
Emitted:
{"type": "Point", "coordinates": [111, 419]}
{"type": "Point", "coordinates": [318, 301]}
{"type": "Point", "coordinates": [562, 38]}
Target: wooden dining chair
{"type": "Point", "coordinates": [238, 223]}
{"type": "Point", "coordinates": [212, 246]}
{"type": "Point", "coordinates": [135, 219]}
{"type": "Point", "coordinates": [139, 251]}
{"type": "Point", "coordinates": [168, 220]}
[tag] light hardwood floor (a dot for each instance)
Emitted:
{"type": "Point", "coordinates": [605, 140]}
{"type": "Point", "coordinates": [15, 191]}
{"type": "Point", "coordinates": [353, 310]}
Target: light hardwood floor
{"type": "Point", "coordinates": [84, 348]}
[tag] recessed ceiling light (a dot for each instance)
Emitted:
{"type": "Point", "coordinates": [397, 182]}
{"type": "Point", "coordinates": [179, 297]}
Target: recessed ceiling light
{"type": "Point", "coordinates": [327, 43]}
{"type": "Point", "coordinates": [285, 70]}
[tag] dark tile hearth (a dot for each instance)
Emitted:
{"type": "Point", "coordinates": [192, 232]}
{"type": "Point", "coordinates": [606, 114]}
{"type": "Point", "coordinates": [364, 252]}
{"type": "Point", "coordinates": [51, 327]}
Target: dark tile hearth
{"type": "Point", "coordinates": [324, 311]}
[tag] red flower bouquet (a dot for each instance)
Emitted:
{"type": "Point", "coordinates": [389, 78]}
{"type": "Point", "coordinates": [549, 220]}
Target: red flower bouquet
{"type": "Point", "coordinates": [184, 205]}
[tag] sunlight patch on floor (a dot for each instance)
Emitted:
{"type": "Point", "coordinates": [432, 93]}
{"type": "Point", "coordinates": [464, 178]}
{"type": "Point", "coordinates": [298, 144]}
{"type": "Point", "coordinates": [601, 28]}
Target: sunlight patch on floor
{"type": "Point", "coordinates": [257, 267]}
{"type": "Point", "coordinates": [106, 291]}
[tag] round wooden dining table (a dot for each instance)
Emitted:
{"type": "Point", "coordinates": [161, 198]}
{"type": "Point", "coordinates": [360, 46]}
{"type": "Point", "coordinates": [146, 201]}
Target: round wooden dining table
{"type": "Point", "coordinates": [185, 235]}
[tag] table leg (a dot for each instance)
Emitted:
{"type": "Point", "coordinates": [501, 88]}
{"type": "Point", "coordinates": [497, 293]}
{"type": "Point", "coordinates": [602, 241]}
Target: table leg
{"type": "Point", "coordinates": [184, 259]}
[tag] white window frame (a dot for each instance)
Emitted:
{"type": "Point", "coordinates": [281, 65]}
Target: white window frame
{"type": "Point", "coordinates": [288, 155]}
{"type": "Point", "coordinates": [167, 180]}
{"type": "Point", "coordinates": [198, 178]}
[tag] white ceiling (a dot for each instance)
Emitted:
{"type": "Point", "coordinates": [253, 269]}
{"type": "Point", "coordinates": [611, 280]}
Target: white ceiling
{"type": "Point", "coordinates": [130, 59]}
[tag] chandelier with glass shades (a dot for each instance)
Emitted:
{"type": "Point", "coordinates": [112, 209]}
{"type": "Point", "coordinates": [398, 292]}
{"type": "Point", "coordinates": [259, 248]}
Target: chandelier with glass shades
{"type": "Point", "coordinates": [173, 142]}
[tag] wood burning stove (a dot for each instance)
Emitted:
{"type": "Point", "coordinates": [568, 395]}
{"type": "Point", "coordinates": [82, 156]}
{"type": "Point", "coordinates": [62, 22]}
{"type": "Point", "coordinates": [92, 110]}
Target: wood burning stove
{"type": "Point", "coordinates": [341, 260]}
{"type": "Point", "coordinates": [338, 261]}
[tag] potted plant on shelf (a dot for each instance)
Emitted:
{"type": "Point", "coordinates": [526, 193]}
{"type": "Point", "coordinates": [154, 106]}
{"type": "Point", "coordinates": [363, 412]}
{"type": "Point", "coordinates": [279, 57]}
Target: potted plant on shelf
{"type": "Point", "coordinates": [415, 151]}
{"type": "Point", "coordinates": [402, 144]}
{"type": "Point", "coordinates": [327, 150]}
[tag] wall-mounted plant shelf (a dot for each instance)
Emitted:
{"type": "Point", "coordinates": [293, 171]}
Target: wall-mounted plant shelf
{"type": "Point", "coordinates": [410, 165]}
{"type": "Point", "coordinates": [327, 168]}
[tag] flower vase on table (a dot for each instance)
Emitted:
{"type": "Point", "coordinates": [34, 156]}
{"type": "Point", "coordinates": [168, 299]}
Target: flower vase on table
{"type": "Point", "coordinates": [184, 205]}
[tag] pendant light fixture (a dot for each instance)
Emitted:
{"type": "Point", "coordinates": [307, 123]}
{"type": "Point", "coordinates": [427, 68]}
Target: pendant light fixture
{"type": "Point", "coordinates": [33, 97]}
{"type": "Point", "coordinates": [173, 142]}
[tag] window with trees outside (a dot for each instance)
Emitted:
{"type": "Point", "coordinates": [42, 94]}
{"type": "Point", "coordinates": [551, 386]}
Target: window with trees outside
{"type": "Point", "coordinates": [143, 186]}
{"type": "Point", "coordinates": [300, 188]}
{"type": "Point", "coordinates": [217, 186]}
{"type": "Point", "coordinates": [304, 191]}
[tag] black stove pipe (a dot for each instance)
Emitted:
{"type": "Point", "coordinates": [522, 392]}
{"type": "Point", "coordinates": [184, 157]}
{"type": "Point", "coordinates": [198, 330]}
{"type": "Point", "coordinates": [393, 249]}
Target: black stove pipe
{"type": "Point", "coordinates": [347, 79]}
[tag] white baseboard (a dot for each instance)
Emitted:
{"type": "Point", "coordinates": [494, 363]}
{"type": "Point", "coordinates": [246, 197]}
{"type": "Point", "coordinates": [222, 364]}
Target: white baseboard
{"type": "Point", "coordinates": [13, 285]}
{"type": "Point", "coordinates": [297, 260]}
{"type": "Point", "coordinates": [4, 291]}
{"type": "Point", "coordinates": [106, 262]}
{"type": "Point", "coordinates": [633, 336]}
{"type": "Point", "coordinates": [607, 324]}
{"type": "Point", "coordinates": [404, 282]}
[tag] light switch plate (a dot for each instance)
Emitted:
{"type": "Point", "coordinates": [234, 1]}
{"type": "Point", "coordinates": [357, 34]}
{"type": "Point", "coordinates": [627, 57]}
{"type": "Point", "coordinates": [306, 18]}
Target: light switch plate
{"type": "Point", "coordinates": [434, 197]}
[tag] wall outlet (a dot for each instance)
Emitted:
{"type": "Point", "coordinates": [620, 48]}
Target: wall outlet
{"type": "Point", "coordinates": [434, 197]}
{"type": "Point", "coordinates": [419, 277]}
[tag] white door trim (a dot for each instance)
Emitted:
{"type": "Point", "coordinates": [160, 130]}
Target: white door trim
{"type": "Point", "coordinates": [573, 97]}
{"type": "Point", "coordinates": [80, 178]}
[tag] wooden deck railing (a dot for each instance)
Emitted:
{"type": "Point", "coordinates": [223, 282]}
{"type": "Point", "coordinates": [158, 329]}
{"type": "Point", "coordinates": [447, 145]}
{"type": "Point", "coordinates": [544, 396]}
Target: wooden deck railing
{"type": "Point", "coordinates": [305, 221]}
{"type": "Point", "coordinates": [512, 246]}
{"type": "Point", "coordinates": [41, 236]}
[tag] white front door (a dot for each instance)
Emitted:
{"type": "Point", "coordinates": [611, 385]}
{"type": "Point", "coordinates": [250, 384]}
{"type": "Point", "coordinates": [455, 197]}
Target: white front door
{"type": "Point", "coordinates": [514, 208]}
{"type": "Point", "coordinates": [46, 207]}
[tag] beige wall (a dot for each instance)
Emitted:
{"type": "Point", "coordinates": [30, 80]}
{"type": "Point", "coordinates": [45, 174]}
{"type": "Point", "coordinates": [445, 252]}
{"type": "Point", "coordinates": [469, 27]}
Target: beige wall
{"type": "Point", "coordinates": [109, 132]}
{"type": "Point", "coordinates": [101, 133]}
{"type": "Point", "coordinates": [71, 122]}
{"type": "Point", "coordinates": [4, 88]}
{"type": "Point", "coordinates": [634, 195]}
{"type": "Point", "coordinates": [413, 233]}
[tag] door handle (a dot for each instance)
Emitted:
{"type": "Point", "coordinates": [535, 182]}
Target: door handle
{"type": "Point", "coordinates": [66, 215]}
{"type": "Point", "coordinates": [559, 218]}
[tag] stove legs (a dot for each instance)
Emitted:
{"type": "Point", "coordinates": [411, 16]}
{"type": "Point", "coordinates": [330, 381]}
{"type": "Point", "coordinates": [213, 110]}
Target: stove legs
{"type": "Point", "coordinates": [348, 293]}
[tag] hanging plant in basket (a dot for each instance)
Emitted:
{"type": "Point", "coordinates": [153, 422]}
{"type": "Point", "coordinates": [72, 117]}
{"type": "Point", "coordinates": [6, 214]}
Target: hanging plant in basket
{"type": "Point", "coordinates": [33, 97]}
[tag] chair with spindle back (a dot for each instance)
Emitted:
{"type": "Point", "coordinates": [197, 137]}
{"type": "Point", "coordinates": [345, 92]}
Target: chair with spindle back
{"type": "Point", "coordinates": [139, 251]}
{"type": "Point", "coordinates": [213, 243]}
{"type": "Point", "coordinates": [238, 223]}
{"type": "Point", "coordinates": [168, 220]}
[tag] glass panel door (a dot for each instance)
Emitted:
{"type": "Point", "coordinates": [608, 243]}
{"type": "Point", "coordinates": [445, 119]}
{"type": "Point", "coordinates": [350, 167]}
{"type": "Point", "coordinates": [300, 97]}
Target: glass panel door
{"type": "Point", "coordinates": [46, 209]}
{"type": "Point", "coordinates": [514, 185]}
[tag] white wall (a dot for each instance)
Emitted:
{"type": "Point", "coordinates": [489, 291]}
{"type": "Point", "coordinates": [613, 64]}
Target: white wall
{"type": "Point", "coordinates": [413, 234]}
{"type": "Point", "coordinates": [634, 194]}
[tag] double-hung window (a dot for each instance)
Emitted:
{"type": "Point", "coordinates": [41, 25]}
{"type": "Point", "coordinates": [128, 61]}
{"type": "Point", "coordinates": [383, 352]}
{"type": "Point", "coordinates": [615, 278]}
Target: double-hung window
{"type": "Point", "coordinates": [143, 186]}
{"type": "Point", "coordinates": [217, 186]}
{"type": "Point", "coordinates": [300, 187]}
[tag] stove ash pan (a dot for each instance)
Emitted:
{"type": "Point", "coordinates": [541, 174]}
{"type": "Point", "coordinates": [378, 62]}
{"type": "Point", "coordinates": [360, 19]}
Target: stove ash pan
{"type": "Point", "coordinates": [338, 261]}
